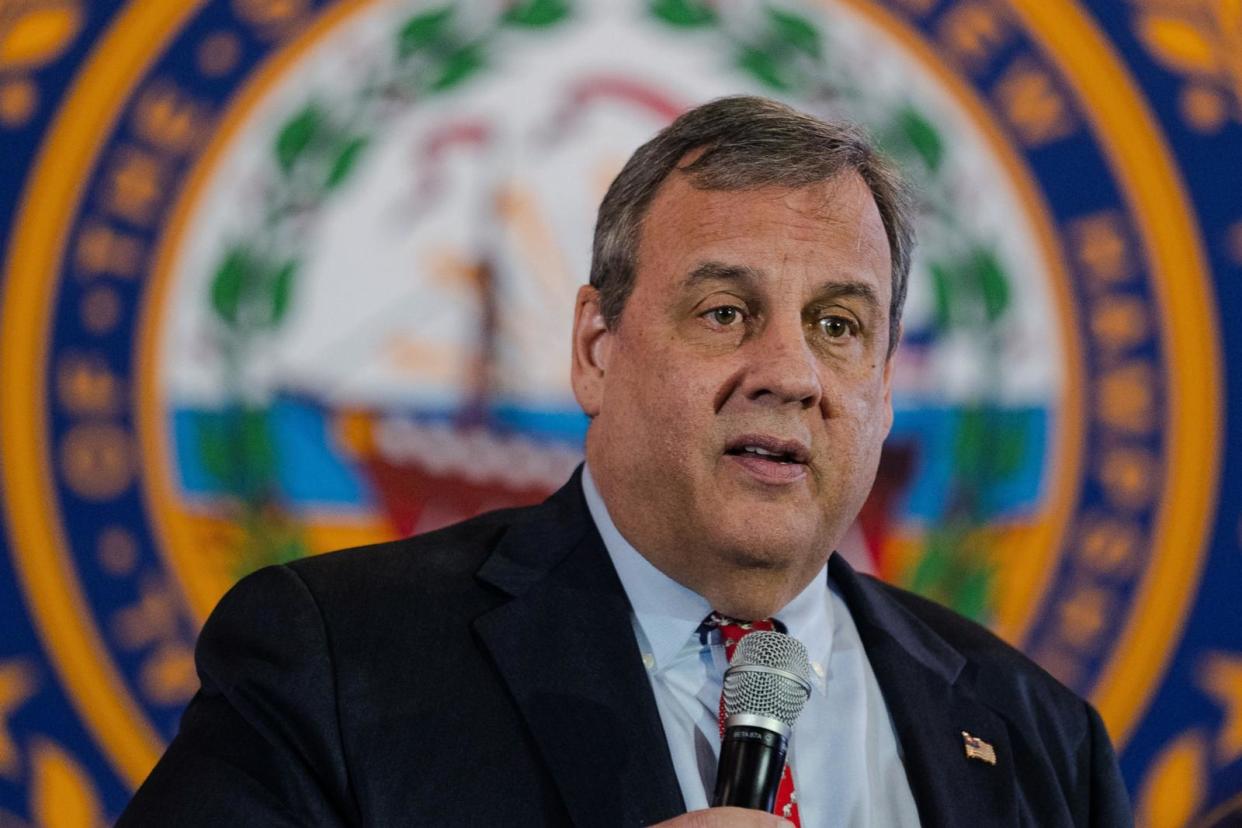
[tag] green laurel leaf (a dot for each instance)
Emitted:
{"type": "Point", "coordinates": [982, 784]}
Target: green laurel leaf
{"type": "Point", "coordinates": [685, 13]}
{"type": "Point", "coordinates": [458, 66]}
{"type": "Point", "coordinates": [536, 13]}
{"type": "Point", "coordinates": [993, 286]}
{"type": "Point", "coordinates": [922, 137]}
{"type": "Point", "coordinates": [796, 31]}
{"type": "Point", "coordinates": [942, 294]}
{"type": "Point", "coordinates": [281, 289]}
{"type": "Point", "coordinates": [422, 30]}
{"type": "Point", "coordinates": [346, 157]}
{"type": "Point", "coordinates": [297, 135]}
{"type": "Point", "coordinates": [765, 67]}
{"type": "Point", "coordinates": [228, 286]}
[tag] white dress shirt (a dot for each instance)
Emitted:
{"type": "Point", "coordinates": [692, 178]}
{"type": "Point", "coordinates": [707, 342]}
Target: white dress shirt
{"type": "Point", "coordinates": [844, 753]}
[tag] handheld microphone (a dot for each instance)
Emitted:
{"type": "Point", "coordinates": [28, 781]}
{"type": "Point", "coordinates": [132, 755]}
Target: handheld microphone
{"type": "Point", "coordinates": [765, 688]}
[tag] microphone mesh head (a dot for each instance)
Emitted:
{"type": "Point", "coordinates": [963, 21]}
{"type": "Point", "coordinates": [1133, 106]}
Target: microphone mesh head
{"type": "Point", "coordinates": [752, 685]}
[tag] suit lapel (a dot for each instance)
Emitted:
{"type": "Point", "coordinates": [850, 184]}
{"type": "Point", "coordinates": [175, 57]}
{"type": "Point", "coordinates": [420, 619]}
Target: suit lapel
{"type": "Point", "coordinates": [926, 685]}
{"type": "Point", "coordinates": [565, 647]}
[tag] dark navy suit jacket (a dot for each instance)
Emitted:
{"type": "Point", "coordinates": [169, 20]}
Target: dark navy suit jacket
{"type": "Point", "coordinates": [487, 674]}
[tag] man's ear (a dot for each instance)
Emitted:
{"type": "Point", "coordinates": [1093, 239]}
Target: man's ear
{"type": "Point", "coordinates": [591, 345]}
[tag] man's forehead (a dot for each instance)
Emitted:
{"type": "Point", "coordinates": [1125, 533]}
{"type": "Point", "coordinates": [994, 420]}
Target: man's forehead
{"type": "Point", "coordinates": [843, 202]}
{"type": "Point", "coordinates": [841, 213]}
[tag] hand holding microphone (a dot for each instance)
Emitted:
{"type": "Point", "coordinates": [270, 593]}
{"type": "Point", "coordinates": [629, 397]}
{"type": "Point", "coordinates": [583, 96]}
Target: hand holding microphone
{"type": "Point", "coordinates": [765, 688]}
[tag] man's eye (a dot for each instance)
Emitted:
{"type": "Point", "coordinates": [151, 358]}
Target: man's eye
{"type": "Point", "coordinates": [725, 315]}
{"type": "Point", "coordinates": [836, 327]}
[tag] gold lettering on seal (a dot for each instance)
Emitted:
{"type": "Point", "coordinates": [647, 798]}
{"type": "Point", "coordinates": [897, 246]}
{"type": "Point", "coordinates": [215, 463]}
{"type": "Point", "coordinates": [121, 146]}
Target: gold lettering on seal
{"type": "Point", "coordinates": [104, 250]}
{"type": "Point", "coordinates": [1108, 546]}
{"type": "Point", "coordinates": [272, 18]}
{"type": "Point", "coordinates": [218, 54]}
{"type": "Point", "coordinates": [100, 310]}
{"type": "Point", "coordinates": [1053, 657]}
{"type": "Point", "coordinates": [86, 385]}
{"type": "Point", "coordinates": [135, 185]}
{"type": "Point", "coordinates": [1127, 398]}
{"type": "Point", "coordinates": [1128, 475]}
{"type": "Point", "coordinates": [1101, 247]}
{"type": "Point", "coordinates": [97, 460]}
{"type": "Point", "coordinates": [973, 32]}
{"type": "Point", "coordinates": [169, 119]}
{"type": "Point", "coordinates": [1119, 324]}
{"type": "Point", "coordinates": [148, 621]}
{"type": "Point", "coordinates": [1028, 97]}
{"type": "Point", "coordinates": [1082, 614]}
{"type": "Point", "coordinates": [116, 549]}
{"type": "Point", "coordinates": [167, 675]}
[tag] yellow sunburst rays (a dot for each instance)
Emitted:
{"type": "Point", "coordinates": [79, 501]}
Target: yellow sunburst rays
{"type": "Point", "coordinates": [1202, 41]}
{"type": "Point", "coordinates": [33, 33]}
{"type": "Point", "coordinates": [62, 793]}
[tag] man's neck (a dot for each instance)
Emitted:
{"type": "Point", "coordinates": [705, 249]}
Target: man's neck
{"type": "Point", "coordinates": [746, 593]}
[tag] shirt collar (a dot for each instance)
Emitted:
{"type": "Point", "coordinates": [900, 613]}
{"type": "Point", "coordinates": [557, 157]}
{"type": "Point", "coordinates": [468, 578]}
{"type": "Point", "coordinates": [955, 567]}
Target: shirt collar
{"type": "Point", "coordinates": [808, 618]}
{"type": "Point", "coordinates": [669, 614]}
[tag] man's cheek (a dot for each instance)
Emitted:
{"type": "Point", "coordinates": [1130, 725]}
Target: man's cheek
{"type": "Point", "coordinates": [867, 408]}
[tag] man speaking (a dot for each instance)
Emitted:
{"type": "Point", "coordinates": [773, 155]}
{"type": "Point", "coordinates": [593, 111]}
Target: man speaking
{"type": "Point", "coordinates": [564, 663]}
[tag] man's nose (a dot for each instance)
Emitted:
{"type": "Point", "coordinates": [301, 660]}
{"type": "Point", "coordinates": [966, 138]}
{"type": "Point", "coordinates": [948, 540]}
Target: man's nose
{"type": "Point", "coordinates": [782, 368]}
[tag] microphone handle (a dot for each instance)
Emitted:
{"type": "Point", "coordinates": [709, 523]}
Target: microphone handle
{"type": "Point", "coordinates": [749, 773]}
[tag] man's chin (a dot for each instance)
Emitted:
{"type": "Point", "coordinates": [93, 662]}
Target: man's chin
{"type": "Point", "coordinates": [780, 548]}
{"type": "Point", "coordinates": [759, 576]}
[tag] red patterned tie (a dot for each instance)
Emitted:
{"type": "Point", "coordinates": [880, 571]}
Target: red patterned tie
{"type": "Point", "coordinates": [732, 631]}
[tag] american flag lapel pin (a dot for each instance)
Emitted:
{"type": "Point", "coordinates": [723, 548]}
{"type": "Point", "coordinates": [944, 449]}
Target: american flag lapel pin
{"type": "Point", "coordinates": [976, 748]}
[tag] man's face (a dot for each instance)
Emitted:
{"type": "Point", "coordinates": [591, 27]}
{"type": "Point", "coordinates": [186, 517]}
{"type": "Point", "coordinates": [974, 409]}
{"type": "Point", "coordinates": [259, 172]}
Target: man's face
{"type": "Point", "coordinates": [741, 400]}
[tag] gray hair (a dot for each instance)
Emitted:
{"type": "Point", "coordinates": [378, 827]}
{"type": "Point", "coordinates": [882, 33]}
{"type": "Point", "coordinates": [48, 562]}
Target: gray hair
{"type": "Point", "coordinates": [747, 143]}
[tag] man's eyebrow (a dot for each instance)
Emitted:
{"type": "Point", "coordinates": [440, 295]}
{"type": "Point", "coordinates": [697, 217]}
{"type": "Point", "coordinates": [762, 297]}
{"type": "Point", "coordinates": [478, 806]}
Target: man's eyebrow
{"type": "Point", "coordinates": [712, 271]}
{"type": "Point", "coordinates": [840, 290]}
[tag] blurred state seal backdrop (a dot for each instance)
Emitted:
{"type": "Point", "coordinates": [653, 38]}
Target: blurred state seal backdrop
{"type": "Point", "coordinates": [282, 276]}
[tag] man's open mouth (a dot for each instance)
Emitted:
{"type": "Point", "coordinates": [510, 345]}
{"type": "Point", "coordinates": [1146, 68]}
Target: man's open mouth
{"type": "Point", "coordinates": [771, 449]}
